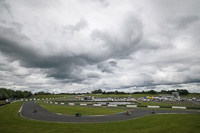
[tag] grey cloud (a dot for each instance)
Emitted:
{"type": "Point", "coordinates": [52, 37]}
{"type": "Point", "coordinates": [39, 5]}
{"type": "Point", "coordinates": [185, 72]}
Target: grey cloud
{"type": "Point", "coordinates": [104, 68]}
{"type": "Point", "coordinates": [121, 44]}
{"type": "Point", "coordinates": [103, 2]}
{"type": "Point", "coordinates": [81, 24]}
{"type": "Point", "coordinates": [4, 6]}
{"type": "Point", "coordinates": [13, 48]}
{"type": "Point", "coordinates": [124, 52]}
{"type": "Point", "coordinates": [184, 21]}
{"type": "Point", "coordinates": [133, 29]}
{"type": "Point", "coordinates": [107, 67]}
{"type": "Point", "coordinates": [93, 75]}
{"type": "Point", "coordinates": [70, 73]}
{"type": "Point", "coordinates": [14, 45]}
{"type": "Point", "coordinates": [113, 63]}
{"type": "Point", "coordinates": [149, 84]}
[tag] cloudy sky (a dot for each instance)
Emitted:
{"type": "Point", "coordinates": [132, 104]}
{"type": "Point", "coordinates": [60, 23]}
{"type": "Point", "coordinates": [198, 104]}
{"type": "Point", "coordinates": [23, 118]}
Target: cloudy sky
{"type": "Point", "coordinates": [83, 45]}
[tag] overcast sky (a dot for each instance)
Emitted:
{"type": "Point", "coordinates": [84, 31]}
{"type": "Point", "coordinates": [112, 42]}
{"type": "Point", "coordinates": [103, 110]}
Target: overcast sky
{"type": "Point", "coordinates": [83, 45]}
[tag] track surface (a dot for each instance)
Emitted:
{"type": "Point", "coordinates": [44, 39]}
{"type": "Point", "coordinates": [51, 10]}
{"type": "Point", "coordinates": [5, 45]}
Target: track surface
{"type": "Point", "coordinates": [44, 115]}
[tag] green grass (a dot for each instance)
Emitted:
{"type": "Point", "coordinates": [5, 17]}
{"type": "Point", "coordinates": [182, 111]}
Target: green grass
{"type": "Point", "coordinates": [169, 104]}
{"type": "Point", "coordinates": [196, 95]}
{"type": "Point", "coordinates": [71, 110]}
{"type": "Point", "coordinates": [10, 122]}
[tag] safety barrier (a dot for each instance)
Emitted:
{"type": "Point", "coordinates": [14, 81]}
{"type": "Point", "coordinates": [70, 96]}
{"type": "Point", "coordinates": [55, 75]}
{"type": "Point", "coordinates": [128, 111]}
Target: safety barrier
{"type": "Point", "coordinates": [96, 104]}
{"type": "Point", "coordinates": [178, 107]}
{"type": "Point", "coordinates": [71, 104]}
{"type": "Point", "coordinates": [131, 106]}
{"type": "Point", "coordinates": [153, 106]}
{"type": "Point", "coordinates": [114, 105]}
{"type": "Point", "coordinates": [111, 105]}
{"type": "Point", "coordinates": [83, 104]}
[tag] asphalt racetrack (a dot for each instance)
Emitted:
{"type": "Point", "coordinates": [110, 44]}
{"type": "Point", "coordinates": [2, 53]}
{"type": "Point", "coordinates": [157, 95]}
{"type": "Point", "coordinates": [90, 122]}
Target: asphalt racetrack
{"type": "Point", "coordinates": [42, 114]}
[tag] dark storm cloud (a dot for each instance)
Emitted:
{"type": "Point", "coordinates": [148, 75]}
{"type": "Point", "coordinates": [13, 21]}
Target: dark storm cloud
{"type": "Point", "coordinates": [15, 46]}
{"type": "Point", "coordinates": [18, 46]}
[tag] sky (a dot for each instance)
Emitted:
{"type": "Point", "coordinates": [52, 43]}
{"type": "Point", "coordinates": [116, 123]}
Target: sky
{"type": "Point", "coordinates": [71, 46]}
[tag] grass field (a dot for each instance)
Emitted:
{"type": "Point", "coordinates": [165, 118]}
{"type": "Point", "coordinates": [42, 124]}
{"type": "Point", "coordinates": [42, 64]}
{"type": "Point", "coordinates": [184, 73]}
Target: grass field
{"type": "Point", "coordinates": [71, 110]}
{"type": "Point", "coordinates": [196, 95]}
{"type": "Point", "coordinates": [142, 95]}
{"type": "Point", "coordinates": [170, 103]}
{"type": "Point", "coordinates": [10, 121]}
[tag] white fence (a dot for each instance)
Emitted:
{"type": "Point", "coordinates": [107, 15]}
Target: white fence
{"type": "Point", "coordinates": [178, 107]}
{"type": "Point", "coordinates": [71, 104]}
{"type": "Point", "coordinates": [83, 104]}
{"type": "Point", "coordinates": [112, 105]}
{"type": "Point", "coordinates": [153, 106]}
{"type": "Point", "coordinates": [131, 106]}
{"type": "Point", "coordinates": [96, 104]}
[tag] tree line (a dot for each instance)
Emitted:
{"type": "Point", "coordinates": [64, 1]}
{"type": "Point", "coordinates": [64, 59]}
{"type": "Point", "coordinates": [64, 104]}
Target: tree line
{"type": "Point", "coordinates": [181, 92]}
{"type": "Point", "coordinates": [8, 93]}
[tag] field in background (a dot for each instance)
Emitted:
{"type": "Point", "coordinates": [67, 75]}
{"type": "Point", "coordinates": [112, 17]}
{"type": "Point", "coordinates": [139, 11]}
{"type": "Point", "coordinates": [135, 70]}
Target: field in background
{"type": "Point", "coordinates": [142, 95]}
{"type": "Point", "coordinates": [196, 95]}
{"type": "Point", "coordinates": [112, 95]}
{"type": "Point", "coordinates": [170, 104]}
{"type": "Point", "coordinates": [71, 110]}
{"type": "Point", "coordinates": [10, 121]}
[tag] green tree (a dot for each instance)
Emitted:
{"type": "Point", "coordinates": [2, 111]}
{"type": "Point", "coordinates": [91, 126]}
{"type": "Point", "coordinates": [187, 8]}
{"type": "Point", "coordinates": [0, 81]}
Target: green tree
{"type": "Point", "coordinates": [97, 91]}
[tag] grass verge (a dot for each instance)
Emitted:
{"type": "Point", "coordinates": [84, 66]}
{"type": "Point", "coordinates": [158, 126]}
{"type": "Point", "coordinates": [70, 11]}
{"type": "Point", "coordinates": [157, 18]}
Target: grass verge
{"type": "Point", "coordinates": [10, 121]}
